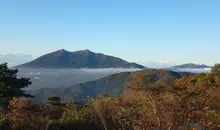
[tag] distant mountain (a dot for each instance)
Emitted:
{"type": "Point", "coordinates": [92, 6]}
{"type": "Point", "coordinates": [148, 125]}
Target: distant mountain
{"type": "Point", "coordinates": [112, 85]}
{"type": "Point", "coordinates": [158, 64]}
{"type": "Point", "coordinates": [78, 59]}
{"type": "Point", "coordinates": [191, 66]}
{"type": "Point", "coordinates": [15, 59]}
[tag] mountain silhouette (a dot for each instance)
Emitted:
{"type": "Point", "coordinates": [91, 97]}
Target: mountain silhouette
{"type": "Point", "coordinates": [192, 66]}
{"type": "Point", "coordinates": [78, 59]}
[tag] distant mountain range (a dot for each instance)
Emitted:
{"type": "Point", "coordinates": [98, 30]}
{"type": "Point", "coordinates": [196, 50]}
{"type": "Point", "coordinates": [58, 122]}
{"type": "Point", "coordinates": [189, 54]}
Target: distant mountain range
{"type": "Point", "coordinates": [15, 59]}
{"type": "Point", "coordinates": [192, 66]}
{"type": "Point", "coordinates": [112, 85]}
{"type": "Point", "coordinates": [78, 59]}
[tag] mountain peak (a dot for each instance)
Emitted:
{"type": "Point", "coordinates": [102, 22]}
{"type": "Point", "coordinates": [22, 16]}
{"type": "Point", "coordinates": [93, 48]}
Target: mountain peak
{"type": "Point", "coordinates": [62, 50]}
{"type": "Point", "coordinates": [86, 51]}
{"type": "Point", "coordinates": [79, 59]}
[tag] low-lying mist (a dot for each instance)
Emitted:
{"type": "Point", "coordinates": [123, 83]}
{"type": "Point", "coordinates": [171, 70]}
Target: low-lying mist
{"type": "Point", "coordinates": [195, 70]}
{"type": "Point", "coordinates": [61, 78]}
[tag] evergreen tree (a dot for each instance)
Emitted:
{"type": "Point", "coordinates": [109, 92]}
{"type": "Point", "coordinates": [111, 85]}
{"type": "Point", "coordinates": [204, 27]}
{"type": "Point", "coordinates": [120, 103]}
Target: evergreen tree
{"type": "Point", "coordinates": [10, 85]}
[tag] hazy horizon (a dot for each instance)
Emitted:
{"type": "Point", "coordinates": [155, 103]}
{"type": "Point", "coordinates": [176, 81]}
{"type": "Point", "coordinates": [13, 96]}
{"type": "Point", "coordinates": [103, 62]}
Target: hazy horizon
{"type": "Point", "coordinates": [14, 59]}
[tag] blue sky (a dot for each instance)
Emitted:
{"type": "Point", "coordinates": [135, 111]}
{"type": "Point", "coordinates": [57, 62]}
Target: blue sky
{"type": "Point", "coordinates": [135, 30]}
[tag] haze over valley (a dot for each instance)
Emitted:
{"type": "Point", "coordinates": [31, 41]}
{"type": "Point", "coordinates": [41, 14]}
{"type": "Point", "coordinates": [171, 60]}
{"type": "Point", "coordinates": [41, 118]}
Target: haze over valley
{"type": "Point", "coordinates": [55, 73]}
{"type": "Point", "coordinates": [110, 65]}
{"type": "Point", "coordinates": [61, 78]}
{"type": "Point", "coordinates": [58, 74]}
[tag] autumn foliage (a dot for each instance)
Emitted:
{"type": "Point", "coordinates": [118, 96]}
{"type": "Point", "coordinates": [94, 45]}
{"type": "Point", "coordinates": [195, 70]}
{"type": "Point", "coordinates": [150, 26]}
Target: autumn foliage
{"type": "Point", "coordinates": [191, 102]}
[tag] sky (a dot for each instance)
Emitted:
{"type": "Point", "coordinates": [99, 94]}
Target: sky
{"type": "Point", "coordinates": [143, 31]}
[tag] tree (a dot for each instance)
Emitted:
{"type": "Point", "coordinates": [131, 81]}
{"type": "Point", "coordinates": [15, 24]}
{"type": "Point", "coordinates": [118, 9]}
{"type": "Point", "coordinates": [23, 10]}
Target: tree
{"type": "Point", "coordinates": [216, 69]}
{"type": "Point", "coordinates": [11, 86]}
{"type": "Point", "coordinates": [53, 100]}
{"type": "Point", "coordinates": [139, 80]}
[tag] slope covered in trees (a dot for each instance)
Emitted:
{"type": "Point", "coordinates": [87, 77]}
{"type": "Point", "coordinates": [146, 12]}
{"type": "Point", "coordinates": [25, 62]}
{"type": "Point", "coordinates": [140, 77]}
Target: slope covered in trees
{"type": "Point", "coordinates": [111, 85]}
{"type": "Point", "coordinates": [190, 102]}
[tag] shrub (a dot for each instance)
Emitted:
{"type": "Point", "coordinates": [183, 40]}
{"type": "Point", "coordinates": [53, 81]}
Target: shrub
{"type": "Point", "coordinates": [54, 125]}
{"type": "Point", "coordinates": [53, 100]}
{"type": "Point", "coordinates": [20, 126]}
{"type": "Point", "coordinates": [5, 124]}
{"type": "Point", "coordinates": [24, 104]}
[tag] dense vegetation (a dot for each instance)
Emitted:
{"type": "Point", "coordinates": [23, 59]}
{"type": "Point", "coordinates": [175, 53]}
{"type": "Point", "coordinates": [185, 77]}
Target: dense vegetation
{"type": "Point", "coordinates": [192, 100]}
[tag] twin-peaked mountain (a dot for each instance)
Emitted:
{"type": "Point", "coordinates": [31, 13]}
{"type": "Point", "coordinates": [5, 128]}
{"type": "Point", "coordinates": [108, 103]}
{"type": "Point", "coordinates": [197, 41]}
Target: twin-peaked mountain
{"type": "Point", "coordinates": [78, 59]}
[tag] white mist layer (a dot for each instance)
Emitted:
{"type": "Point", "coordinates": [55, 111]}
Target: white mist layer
{"type": "Point", "coordinates": [60, 78]}
{"type": "Point", "coordinates": [196, 70]}
{"type": "Point", "coordinates": [111, 70]}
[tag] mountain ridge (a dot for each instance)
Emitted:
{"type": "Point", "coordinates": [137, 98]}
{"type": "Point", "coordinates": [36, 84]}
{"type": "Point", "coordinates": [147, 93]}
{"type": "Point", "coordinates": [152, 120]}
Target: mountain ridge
{"type": "Point", "coordinates": [112, 85]}
{"type": "Point", "coordinates": [192, 66]}
{"type": "Point", "coordinates": [79, 59]}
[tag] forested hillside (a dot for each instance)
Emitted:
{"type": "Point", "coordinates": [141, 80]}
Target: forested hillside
{"type": "Point", "coordinates": [111, 85]}
{"type": "Point", "coordinates": [192, 101]}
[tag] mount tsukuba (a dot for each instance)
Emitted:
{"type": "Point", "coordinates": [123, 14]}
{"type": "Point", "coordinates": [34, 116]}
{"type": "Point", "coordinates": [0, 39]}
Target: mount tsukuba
{"type": "Point", "coordinates": [78, 59]}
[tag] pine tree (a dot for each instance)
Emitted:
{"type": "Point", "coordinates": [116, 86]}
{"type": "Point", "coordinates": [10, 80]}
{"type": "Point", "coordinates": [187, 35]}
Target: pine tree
{"type": "Point", "coordinates": [11, 86]}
